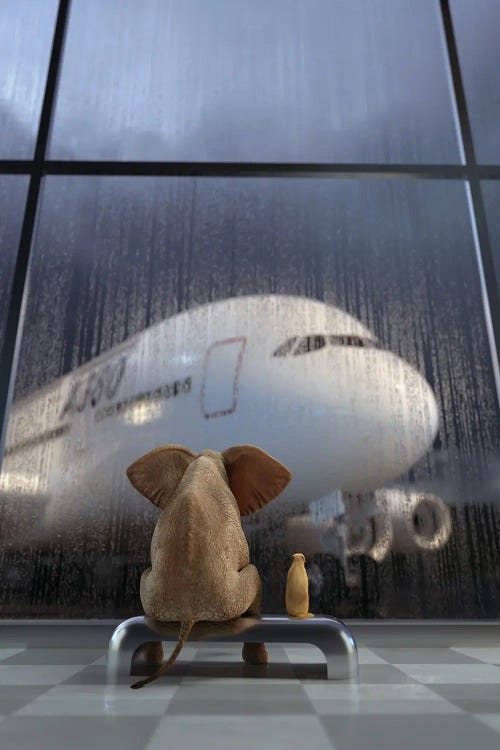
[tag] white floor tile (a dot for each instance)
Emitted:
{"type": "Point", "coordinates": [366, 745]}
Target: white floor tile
{"type": "Point", "coordinates": [242, 732]}
{"type": "Point", "coordinates": [490, 720]}
{"type": "Point", "coordinates": [100, 662]}
{"type": "Point", "coordinates": [6, 652]}
{"type": "Point", "coordinates": [488, 655]}
{"type": "Point", "coordinates": [331, 699]}
{"type": "Point", "coordinates": [388, 708]}
{"type": "Point", "coordinates": [459, 674]}
{"type": "Point", "coordinates": [365, 656]}
{"type": "Point", "coordinates": [98, 700]}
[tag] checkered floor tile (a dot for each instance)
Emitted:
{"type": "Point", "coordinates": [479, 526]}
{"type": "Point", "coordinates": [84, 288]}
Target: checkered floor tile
{"type": "Point", "coordinates": [442, 698]}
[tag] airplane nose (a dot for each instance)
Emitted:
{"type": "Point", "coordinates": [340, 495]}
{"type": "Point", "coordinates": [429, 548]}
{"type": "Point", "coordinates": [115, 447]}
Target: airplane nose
{"type": "Point", "coordinates": [421, 414]}
{"type": "Point", "coordinates": [411, 416]}
{"type": "Point", "coordinates": [395, 416]}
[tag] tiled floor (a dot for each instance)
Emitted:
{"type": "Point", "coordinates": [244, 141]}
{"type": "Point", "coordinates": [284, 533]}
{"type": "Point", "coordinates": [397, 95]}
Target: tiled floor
{"type": "Point", "coordinates": [53, 694]}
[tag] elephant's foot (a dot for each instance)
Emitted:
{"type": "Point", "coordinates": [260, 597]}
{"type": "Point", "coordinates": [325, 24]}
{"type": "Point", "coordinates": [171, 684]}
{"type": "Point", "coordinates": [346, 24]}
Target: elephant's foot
{"type": "Point", "coordinates": [147, 658]}
{"type": "Point", "coordinates": [254, 653]}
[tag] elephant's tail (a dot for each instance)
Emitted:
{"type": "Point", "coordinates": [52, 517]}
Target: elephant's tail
{"type": "Point", "coordinates": [184, 631]}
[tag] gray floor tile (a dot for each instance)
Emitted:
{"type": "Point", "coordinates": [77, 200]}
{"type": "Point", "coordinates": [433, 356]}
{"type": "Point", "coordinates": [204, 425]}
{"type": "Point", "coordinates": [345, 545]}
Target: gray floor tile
{"type": "Point", "coordinates": [310, 671]}
{"type": "Point", "coordinates": [382, 674]}
{"type": "Point", "coordinates": [218, 655]}
{"type": "Point", "coordinates": [234, 682]}
{"type": "Point", "coordinates": [101, 661]}
{"type": "Point", "coordinates": [421, 702]}
{"type": "Point", "coordinates": [14, 697]}
{"type": "Point", "coordinates": [255, 707]}
{"type": "Point", "coordinates": [403, 732]}
{"type": "Point", "coordinates": [77, 733]}
{"type": "Point", "coordinates": [6, 653]}
{"type": "Point", "coordinates": [490, 655]}
{"type": "Point", "coordinates": [368, 656]}
{"type": "Point", "coordinates": [97, 675]}
{"type": "Point", "coordinates": [381, 707]}
{"type": "Point", "coordinates": [333, 691]}
{"type": "Point", "coordinates": [332, 699]}
{"type": "Point", "coordinates": [239, 669]}
{"type": "Point", "coordinates": [423, 656]}
{"type": "Point", "coordinates": [54, 656]}
{"type": "Point", "coordinates": [241, 732]}
{"type": "Point", "coordinates": [472, 698]}
{"type": "Point", "coordinates": [97, 700]}
{"type": "Point", "coordinates": [199, 698]}
{"type": "Point", "coordinates": [459, 674]}
{"type": "Point", "coordinates": [490, 720]}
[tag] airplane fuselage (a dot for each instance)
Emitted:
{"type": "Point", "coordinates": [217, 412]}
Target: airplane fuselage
{"type": "Point", "coordinates": [301, 379]}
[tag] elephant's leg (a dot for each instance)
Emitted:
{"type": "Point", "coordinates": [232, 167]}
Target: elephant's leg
{"type": "Point", "coordinates": [147, 658]}
{"type": "Point", "coordinates": [254, 653]}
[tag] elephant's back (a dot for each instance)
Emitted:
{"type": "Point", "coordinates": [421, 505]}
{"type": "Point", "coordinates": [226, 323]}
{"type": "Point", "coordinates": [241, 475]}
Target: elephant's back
{"type": "Point", "coordinates": [195, 553]}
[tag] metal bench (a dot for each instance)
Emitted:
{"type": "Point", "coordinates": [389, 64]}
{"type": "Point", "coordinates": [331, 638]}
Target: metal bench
{"type": "Point", "coordinates": [330, 635]}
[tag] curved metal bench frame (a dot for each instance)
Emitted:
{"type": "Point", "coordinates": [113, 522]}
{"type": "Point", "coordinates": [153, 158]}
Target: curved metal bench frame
{"type": "Point", "coordinates": [331, 636]}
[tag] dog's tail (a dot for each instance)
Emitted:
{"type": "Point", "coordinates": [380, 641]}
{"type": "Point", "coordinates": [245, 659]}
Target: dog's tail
{"type": "Point", "coordinates": [184, 631]}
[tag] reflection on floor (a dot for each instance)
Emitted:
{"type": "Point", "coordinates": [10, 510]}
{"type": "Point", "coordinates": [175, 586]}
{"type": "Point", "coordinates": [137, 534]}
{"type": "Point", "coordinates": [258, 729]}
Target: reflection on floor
{"type": "Point", "coordinates": [53, 694]}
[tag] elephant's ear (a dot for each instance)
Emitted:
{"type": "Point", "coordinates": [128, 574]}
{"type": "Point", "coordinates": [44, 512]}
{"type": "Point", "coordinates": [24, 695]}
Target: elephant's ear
{"type": "Point", "coordinates": [255, 477]}
{"type": "Point", "coordinates": [157, 474]}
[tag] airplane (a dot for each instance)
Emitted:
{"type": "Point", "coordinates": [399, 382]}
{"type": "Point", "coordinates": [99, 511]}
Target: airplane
{"type": "Point", "coordinates": [302, 379]}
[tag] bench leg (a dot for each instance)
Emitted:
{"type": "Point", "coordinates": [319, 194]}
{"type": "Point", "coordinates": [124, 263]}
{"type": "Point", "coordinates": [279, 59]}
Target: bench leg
{"type": "Point", "coordinates": [123, 644]}
{"type": "Point", "coordinates": [341, 657]}
{"type": "Point", "coordinates": [147, 658]}
{"type": "Point", "coordinates": [119, 661]}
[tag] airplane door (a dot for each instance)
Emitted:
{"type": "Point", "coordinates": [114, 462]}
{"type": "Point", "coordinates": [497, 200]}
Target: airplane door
{"type": "Point", "coordinates": [219, 392]}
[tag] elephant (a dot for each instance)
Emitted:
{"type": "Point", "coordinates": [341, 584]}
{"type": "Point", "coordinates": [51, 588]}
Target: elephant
{"type": "Point", "coordinates": [200, 561]}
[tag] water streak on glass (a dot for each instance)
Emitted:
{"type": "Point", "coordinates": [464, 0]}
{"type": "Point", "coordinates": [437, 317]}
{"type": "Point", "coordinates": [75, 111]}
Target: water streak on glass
{"type": "Point", "coordinates": [383, 302]}
{"type": "Point", "coordinates": [26, 32]}
{"type": "Point", "coordinates": [477, 30]}
{"type": "Point", "coordinates": [13, 190]}
{"type": "Point", "coordinates": [230, 80]}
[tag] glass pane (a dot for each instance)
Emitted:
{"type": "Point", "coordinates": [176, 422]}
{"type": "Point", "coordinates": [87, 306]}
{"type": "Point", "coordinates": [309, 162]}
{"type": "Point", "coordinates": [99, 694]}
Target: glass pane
{"type": "Point", "coordinates": [13, 191]}
{"type": "Point", "coordinates": [231, 80]}
{"type": "Point", "coordinates": [138, 285]}
{"type": "Point", "coordinates": [26, 34]}
{"type": "Point", "coordinates": [491, 197]}
{"type": "Point", "coordinates": [477, 29]}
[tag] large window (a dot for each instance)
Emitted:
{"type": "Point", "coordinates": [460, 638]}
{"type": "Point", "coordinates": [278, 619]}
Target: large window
{"type": "Point", "coordinates": [26, 32]}
{"type": "Point", "coordinates": [334, 153]}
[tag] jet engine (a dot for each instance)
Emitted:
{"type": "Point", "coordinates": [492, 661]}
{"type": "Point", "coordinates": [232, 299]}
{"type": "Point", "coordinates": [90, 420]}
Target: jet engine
{"type": "Point", "coordinates": [390, 520]}
{"type": "Point", "coordinates": [421, 522]}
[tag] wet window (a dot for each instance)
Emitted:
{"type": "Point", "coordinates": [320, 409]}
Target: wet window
{"type": "Point", "coordinates": [26, 32]}
{"type": "Point", "coordinates": [292, 107]}
{"type": "Point", "coordinates": [13, 190]}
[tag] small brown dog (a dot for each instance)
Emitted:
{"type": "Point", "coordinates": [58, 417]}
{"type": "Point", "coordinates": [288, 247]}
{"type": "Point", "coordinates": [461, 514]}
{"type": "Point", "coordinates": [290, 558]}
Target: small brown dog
{"type": "Point", "coordinates": [199, 553]}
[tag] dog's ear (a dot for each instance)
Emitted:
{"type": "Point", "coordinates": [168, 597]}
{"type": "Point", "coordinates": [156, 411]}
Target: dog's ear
{"type": "Point", "coordinates": [157, 474]}
{"type": "Point", "coordinates": [255, 477]}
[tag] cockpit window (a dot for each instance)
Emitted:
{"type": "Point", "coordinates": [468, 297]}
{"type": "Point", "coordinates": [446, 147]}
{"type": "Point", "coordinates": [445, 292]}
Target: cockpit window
{"type": "Point", "coordinates": [308, 344]}
{"type": "Point", "coordinates": [285, 348]}
{"type": "Point", "coordinates": [350, 341]}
